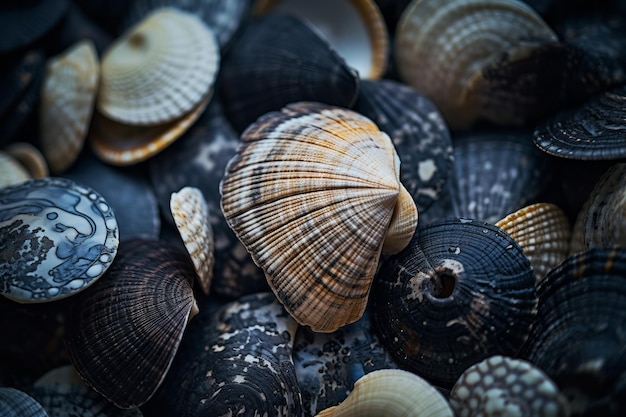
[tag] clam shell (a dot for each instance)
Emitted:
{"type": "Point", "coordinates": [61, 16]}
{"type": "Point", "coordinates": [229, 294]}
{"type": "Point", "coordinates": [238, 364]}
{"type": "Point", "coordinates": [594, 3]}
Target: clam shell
{"type": "Point", "coordinates": [461, 291]}
{"type": "Point", "coordinates": [16, 403]}
{"type": "Point", "coordinates": [122, 335]}
{"type": "Point", "coordinates": [30, 157]}
{"type": "Point", "coordinates": [67, 101]}
{"type": "Point", "coordinates": [62, 236]}
{"type": "Point", "coordinates": [314, 194]}
{"type": "Point", "coordinates": [11, 171]}
{"type": "Point", "coordinates": [159, 70]}
{"type": "Point", "coordinates": [277, 60]}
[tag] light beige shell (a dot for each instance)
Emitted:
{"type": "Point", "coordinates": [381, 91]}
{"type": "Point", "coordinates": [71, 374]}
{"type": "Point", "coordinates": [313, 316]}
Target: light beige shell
{"type": "Point", "coordinates": [191, 215]}
{"type": "Point", "coordinates": [544, 233]}
{"type": "Point", "coordinates": [30, 157]}
{"type": "Point", "coordinates": [441, 44]}
{"type": "Point", "coordinates": [159, 70]}
{"type": "Point", "coordinates": [67, 101]}
{"type": "Point", "coordinates": [11, 171]}
{"type": "Point", "coordinates": [391, 393]}
{"type": "Point", "coordinates": [311, 195]}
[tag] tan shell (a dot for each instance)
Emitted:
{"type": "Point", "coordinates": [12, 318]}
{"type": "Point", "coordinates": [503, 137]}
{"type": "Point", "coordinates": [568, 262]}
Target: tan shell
{"type": "Point", "coordinates": [191, 215]}
{"type": "Point", "coordinates": [391, 393]}
{"type": "Point", "coordinates": [30, 157]}
{"type": "Point", "coordinates": [441, 45]}
{"type": "Point", "coordinates": [11, 171]}
{"type": "Point", "coordinates": [67, 102]}
{"type": "Point", "coordinates": [159, 70]}
{"type": "Point", "coordinates": [543, 231]}
{"type": "Point", "coordinates": [311, 195]}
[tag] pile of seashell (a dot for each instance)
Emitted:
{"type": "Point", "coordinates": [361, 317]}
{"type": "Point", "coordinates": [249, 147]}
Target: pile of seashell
{"type": "Point", "coordinates": [313, 208]}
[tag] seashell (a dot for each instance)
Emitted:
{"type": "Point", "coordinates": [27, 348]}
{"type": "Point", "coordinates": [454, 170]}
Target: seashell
{"type": "Point", "coordinates": [159, 70]}
{"type": "Point", "coordinates": [16, 403]}
{"type": "Point", "coordinates": [122, 335]}
{"type": "Point", "coordinates": [543, 231]}
{"type": "Point", "coordinates": [11, 171]}
{"type": "Point", "coordinates": [296, 194]}
{"type": "Point", "coordinates": [268, 67]}
{"type": "Point", "coordinates": [439, 48]}
{"type": "Point", "coordinates": [356, 29]}
{"type": "Point", "coordinates": [461, 291]}
{"type": "Point", "coordinates": [235, 361]}
{"type": "Point", "coordinates": [500, 385]}
{"type": "Point", "coordinates": [30, 158]}
{"type": "Point", "coordinates": [67, 102]}
{"type": "Point", "coordinates": [578, 337]}
{"type": "Point", "coordinates": [418, 133]}
{"type": "Point", "coordinates": [62, 236]}
{"type": "Point", "coordinates": [393, 393]}
{"type": "Point", "coordinates": [191, 215]}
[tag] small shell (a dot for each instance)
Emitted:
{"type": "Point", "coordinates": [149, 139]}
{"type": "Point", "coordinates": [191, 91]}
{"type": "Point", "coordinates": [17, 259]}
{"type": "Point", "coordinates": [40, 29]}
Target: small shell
{"type": "Point", "coordinates": [30, 157]}
{"type": "Point", "coordinates": [314, 194]}
{"type": "Point", "coordinates": [191, 214]}
{"type": "Point", "coordinates": [62, 237]}
{"type": "Point", "coordinates": [16, 403]}
{"type": "Point", "coordinates": [500, 385]}
{"type": "Point", "coordinates": [67, 102]}
{"type": "Point", "coordinates": [123, 333]}
{"type": "Point", "coordinates": [159, 70]}
{"type": "Point", "coordinates": [11, 171]}
{"type": "Point", "coordinates": [391, 393]}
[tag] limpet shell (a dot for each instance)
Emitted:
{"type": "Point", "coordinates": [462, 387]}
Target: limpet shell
{"type": "Point", "coordinates": [61, 237]}
{"type": "Point", "coordinates": [30, 157]}
{"type": "Point", "coordinates": [17, 403]}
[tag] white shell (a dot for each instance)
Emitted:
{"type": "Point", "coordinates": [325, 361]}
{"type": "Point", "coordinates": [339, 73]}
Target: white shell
{"type": "Point", "coordinates": [30, 157]}
{"type": "Point", "coordinates": [11, 171]}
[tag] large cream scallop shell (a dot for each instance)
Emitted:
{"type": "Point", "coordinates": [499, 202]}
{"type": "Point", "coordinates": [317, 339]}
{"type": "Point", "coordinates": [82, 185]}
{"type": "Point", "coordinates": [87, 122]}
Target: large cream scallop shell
{"type": "Point", "coordinates": [311, 194]}
{"type": "Point", "coordinates": [67, 101]}
{"type": "Point", "coordinates": [159, 70]}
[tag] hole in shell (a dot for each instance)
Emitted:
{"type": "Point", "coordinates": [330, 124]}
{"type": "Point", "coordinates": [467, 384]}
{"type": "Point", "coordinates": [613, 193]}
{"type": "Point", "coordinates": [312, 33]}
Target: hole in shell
{"type": "Point", "coordinates": [442, 284]}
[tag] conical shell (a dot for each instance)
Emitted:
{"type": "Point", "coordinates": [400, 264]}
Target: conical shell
{"type": "Point", "coordinates": [123, 334]}
{"type": "Point", "coordinates": [11, 171]}
{"type": "Point", "coordinates": [67, 102]}
{"type": "Point", "coordinates": [30, 157]}
{"type": "Point", "coordinates": [312, 194]}
{"type": "Point", "coordinates": [159, 70]}
{"type": "Point", "coordinates": [16, 403]}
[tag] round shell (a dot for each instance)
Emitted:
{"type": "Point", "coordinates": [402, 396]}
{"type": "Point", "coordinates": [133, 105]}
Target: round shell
{"type": "Point", "coordinates": [67, 100]}
{"type": "Point", "coordinates": [123, 333]}
{"type": "Point", "coordinates": [62, 236]}
{"type": "Point", "coordinates": [159, 70]}
{"type": "Point", "coordinates": [30, 157]}
{"type": "Point", "coordinates": [461, 291]}
{"type": "Point", "coordinates": [11, 170]}
{"type": "Point", "coordinates": [314, 195]}
{"type": "Point", "coordinates": [16, 403]}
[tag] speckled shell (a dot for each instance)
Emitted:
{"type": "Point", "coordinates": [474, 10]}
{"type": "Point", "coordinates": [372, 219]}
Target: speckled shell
{"type": "Point", "coordinates": [461, 291]}
{"type": "Point", "coordinates": [235, 361]}
{"type": "Point", "coordinates": [159, 70]}
{"type": "Point", "coordinates": [277, 60]}
{"type": "Point", "coordinates": [440, 46]}
{"type": "Point", "coordinates": [578, 337]}
{"type": "Point", "coordinates": [11, 171]}
{"type": "Point", "coordinates": [61, 237]}
{"type": "Point", "coordinates": [544, 233]}
{"type": "Point", "coordinates": [500, 385]}
{"type": "Point", "coordinates": [191, 215]}
{"type": "Point", "coordinates": [122, 335]}
{"type": "Point", "coordinates": [17, 403]}
{"type": "Point", "coordinates": [314, 195]}
{"type": "Point", "coordinates": [391, 393]}
{"type": "Point", "coordinates": [67, 101]}
{"type": "Point", "coordinates": [417, 131]}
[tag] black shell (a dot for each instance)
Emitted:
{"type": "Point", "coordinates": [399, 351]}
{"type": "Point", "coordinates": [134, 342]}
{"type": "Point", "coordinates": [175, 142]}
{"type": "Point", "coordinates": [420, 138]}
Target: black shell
{"type": "Point", "coordinates": [461, 291]}
{"type": "Point", "coordinates": [16, 403]}
{"type": "Point", "coordinates": [276, 60]}
{"type": "Point", "coordinates": [579, 338]}
{"type": "Point", "coordinates": [418, 132]}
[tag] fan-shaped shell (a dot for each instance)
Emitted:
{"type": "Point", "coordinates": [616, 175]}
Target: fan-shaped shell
{"type": "Point", "coordinates": [16, 403]}
{"type": "Point", "coordinates": [30, 157]}
{"type": "Point", "coordinates": [159, 70]}
{"type": "Point", "coordinates": [122, 335]}
{"type": "Point", "coordinates": [313, 194]}
{"type": "Point", "coordinates": [67, 101]}
{"type": "Point", "coordinates": [11, 171]}
{"type": "Point", "coordinates": [461, 291]}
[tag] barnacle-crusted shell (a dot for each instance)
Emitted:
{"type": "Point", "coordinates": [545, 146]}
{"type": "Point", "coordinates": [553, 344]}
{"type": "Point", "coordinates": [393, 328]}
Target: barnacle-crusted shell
{"type": "Point", "coordinates": [67, 102]}
{"type": "Point", "coordinates": [17, 403]}
{"type": "Point", "coordinates": [461, 291]}
{"type": "Point", "coordinates": [159, 70]}
{"type": "Point", "coordinates": [501, 385]}
{"type": "Point", "coordinates": [60, 237]}
{"type": "Point", "coordinates": [11, 171]}
{"type": "Point", "coordinates": [313, 194]}
{"type": "Point", "coordinates": [30, 157]}
{"type": "Point", "coordinates": [544, 233]}
{"type": "Point", "coordinates": [441, 45]}
{"type": "Point", "coordinates": [391, 393]}
{"type": "Point", "coordinates": [191, 215]}
{"type": "Point", "coordinates": [122, 335]}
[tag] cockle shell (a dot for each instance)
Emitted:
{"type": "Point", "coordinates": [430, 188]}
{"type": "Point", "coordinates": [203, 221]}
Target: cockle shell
{"type": "Point", "coordinates": [159, 70]}
{"type": "Point", "coordinates": [17, 403]}
{"type": "Point", "coordinates": [67, 101]}
{"type": "Point", "coordinates": [11, 171]}
{"type": "Point", "coordinates": [314, 195]}
{"type": "Point", "coordinates": [391, 393]}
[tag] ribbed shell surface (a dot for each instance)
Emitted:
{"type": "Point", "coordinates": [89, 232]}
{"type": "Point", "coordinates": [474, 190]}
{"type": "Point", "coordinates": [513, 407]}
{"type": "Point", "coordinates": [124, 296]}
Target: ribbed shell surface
{"type": "Point", "coordinates": [16, 403]}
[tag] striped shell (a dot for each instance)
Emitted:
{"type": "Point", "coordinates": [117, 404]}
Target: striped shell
{"type": "Point", "coordinates": [314, 194]}
{"type": "Point", "coordinates": [17, 403]}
